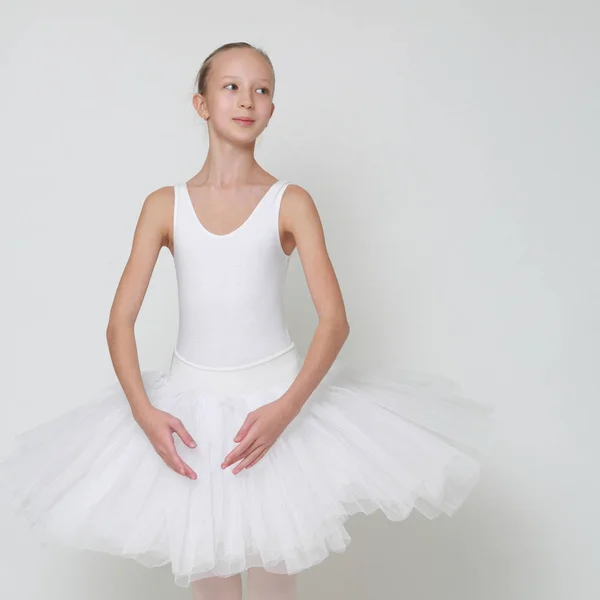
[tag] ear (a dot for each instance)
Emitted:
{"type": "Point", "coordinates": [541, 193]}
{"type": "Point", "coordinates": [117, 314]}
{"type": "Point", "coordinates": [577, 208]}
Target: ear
{"type": "Point", "coordinates": [199, 102]}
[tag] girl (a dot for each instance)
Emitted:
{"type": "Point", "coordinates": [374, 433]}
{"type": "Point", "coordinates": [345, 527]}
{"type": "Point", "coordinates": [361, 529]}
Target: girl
{"type": "Point", "coordinates": [274, 450]}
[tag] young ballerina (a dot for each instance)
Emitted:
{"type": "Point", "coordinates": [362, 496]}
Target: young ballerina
{"type": "Point", "coordinates": [274, 450]}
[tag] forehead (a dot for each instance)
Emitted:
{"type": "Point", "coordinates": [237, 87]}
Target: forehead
{"type": "Point", "coordinates": [241, 63]}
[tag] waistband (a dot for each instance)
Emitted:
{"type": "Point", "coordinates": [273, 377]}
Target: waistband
{"type": "Point", "coordinates": [236, 367]}
{"type": "Point", "coordinates": [283, 366]}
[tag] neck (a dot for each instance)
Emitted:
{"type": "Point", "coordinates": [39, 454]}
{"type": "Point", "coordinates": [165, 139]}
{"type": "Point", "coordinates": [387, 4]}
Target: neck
{"type": "Point", "coordinates": [229, 166]}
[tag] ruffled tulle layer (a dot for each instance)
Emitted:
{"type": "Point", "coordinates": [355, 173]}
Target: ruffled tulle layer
{"type": "Point", "coordinates": [366, 439]}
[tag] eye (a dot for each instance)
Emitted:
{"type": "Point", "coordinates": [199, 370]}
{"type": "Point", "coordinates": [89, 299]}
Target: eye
{"type": "Point", "coordinates": [266, 90]}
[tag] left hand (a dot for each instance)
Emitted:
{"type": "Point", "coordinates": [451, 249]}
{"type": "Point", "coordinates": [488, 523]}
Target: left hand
{"type": "Point", "coordinates": [258, 433]}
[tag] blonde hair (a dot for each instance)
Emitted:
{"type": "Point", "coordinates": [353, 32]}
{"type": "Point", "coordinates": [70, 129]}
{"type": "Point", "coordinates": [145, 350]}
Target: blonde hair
{"type": "Point", "coordinates": [204, 72]}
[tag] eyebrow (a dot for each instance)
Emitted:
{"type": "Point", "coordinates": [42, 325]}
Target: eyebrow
{"type": "Point", "coordinates": [236, 77]}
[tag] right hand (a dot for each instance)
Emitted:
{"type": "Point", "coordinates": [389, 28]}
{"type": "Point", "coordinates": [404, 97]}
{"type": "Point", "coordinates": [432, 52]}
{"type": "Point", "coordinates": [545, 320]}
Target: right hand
{"type": "Point", "coordinates": [159, 426]}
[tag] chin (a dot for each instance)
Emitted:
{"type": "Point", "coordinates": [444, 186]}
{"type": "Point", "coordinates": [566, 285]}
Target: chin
{"type": "Point", "coordinates": [249, 134]}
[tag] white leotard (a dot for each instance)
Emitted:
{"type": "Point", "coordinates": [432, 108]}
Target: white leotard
{"type": "Point", "coordinates": [230, 287]}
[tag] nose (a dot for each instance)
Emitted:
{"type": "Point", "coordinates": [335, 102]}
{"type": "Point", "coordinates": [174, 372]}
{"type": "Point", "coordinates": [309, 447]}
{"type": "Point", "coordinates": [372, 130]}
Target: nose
{"type": "Point", "coordinates": [245, 100]}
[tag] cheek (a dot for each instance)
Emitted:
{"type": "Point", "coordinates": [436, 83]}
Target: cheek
{"type": "Point", "coordinates": [224, 105]}
{"type": "Point", "coordinates": [263, 106]}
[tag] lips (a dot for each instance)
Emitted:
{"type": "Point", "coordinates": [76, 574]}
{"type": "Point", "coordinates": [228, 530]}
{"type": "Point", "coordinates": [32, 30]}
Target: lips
{"type": "Point", "coordinates": [244, 119]}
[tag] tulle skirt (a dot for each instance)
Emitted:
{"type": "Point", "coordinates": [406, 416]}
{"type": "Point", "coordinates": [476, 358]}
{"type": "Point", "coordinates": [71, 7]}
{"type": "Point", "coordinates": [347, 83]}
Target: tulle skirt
{"type": "Point", "coordinates": [366, 439]}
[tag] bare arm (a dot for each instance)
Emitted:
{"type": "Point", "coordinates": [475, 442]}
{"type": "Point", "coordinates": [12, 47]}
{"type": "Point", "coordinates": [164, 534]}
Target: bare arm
{"type": "Point", "coordinates": [300, 219]}
{"type": "Point", "coordinates": [151, 234]}
{"type": "Point", "coordinates": [299, 223]}
{"type": "Point", "coordinates": [153, 231]}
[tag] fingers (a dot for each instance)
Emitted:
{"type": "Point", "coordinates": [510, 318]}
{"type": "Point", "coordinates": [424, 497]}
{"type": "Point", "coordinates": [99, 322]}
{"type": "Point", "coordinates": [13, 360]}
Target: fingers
{"type": "Point", "coordinates": [182, 467]}
{"type": "Point", "coordinates": [248, 452]}
{"type": "Point", "coordinates": [183, 433]}
{"type": "Point", "coordinates": [239, 451]}
{"type": "Point", "coordinates": [259, 457]}
{"type": "Point", "coordinates": [251, 459]}
{"type": "Point", "coordinates": [252, 455]}
{"type": "Point", "coordinates": [173, 460]}
{"type": "Point", "coordinates": [169, 455]}
{"type": "Point", "coordinates": [245, 428]}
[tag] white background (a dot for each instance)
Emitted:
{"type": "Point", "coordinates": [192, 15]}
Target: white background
{"type": "Point", "coordinates": [452, 151]}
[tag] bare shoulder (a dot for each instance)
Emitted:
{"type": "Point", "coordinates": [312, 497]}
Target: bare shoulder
{"type": "Point", "coordinates": [160, 200]}
{"type": "Point", "coordinates": [156, 214]}
{"type": "Point", "coordinates": [297, 195]}
{"type": "Point", "coordinates": [297, 205]}
{"type": "Point", "coordinates": [300, 220]}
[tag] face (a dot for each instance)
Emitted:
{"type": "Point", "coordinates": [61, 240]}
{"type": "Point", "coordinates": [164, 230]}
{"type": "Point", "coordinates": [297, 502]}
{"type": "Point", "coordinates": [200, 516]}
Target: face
{"type": "Point", "coordinates": [240, 84]}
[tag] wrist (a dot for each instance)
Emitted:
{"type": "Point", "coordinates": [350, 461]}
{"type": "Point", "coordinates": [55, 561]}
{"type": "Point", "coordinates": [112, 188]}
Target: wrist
{"type": "Point", "coordinates": [293, 403]}
{"type": "Point", "coordinates": [140, 413]}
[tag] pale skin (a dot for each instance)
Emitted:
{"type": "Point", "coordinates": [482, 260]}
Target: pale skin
{"type": "Point", "coordinates": [225, 191]}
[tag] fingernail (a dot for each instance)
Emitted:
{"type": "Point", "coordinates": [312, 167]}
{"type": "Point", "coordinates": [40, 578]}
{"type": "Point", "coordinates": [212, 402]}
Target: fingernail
{"type": "Point", "coordinates": [193, 444]}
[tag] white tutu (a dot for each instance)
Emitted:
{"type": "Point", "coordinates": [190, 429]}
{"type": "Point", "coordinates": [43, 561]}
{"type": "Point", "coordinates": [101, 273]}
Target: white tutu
{"type": "Point", "coordinates": [366, 439]}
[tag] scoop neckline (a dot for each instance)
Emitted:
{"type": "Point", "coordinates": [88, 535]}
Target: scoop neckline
{"type": "Point", "coordinates": [234, 231]}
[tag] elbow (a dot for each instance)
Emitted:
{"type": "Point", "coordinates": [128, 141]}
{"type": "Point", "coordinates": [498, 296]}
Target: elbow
{"type": "Point", "coordinates": [340, 326]}
{"type": "Point", "coordinates": [111, 331]}
{"type": "Point", "coordinates": [112, 327]}
{"type": "Point", "coordinates": [346, 329]}
{"type": "Point", "coordinates": [115, 327]}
